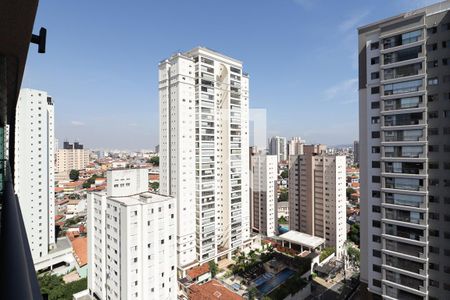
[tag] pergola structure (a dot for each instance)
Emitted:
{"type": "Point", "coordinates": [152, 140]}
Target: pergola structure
{"type": "Point", "coordinates": [300, 241]}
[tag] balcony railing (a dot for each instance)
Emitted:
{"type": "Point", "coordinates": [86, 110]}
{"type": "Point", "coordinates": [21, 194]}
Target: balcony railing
{"type": "Point", "coordinates": [18, 275]}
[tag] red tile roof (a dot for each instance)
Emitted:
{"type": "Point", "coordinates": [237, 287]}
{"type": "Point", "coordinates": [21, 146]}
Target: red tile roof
{"type": "Point", "coordinates": [198, 271]}
{"type": "Point", "coordinates": [212, 290]}
{"type": "Point", "coordinates": [79, 246]}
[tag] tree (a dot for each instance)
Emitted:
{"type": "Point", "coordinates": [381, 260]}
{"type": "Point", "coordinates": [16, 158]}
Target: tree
{"type": "Point", "coordinates": [284, 196]}
{"type": "Point", "coordinates": [326, 252]}
{"type": "Point", "coordinates": [353, 255]}
{"type": "Point", "coordinates": [90, 181]}
{"type": "Point", "coordinates": [213, 268]}
{"type": "Point", "coordinates": [54, 286]}
{"type": "Point", "coordinates": [354, 233]}
{"type": "Point", "coordinates": [350, 191]}
{"type": "Point", "coordinates": [154, 185]}
{"type": "Point", "coordinates": [282, 220]}
{"type": "Point", "coordinates": [154, 160]}
{"type": "Point", "coordinates": [74, 175]}
{"type": "Point", "coordinates": [284, 174]}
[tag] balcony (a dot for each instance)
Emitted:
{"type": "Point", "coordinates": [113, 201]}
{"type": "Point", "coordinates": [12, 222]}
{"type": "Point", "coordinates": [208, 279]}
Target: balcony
{"type": "Point", "coordinates": [405, 216]}
{"type": "Point", "coordinates": [18, 275]}
{"type": "Point", "coordinates": [405, 232]}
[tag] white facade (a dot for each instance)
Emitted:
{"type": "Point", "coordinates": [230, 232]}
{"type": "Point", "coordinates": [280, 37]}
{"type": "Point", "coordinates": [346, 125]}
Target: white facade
{"type": "Point", "coordinates": [295, 146]}
{"type": "Point", "coordinates": [34, 169]}
{"type": "Point", "coordinates": [317, 197]}
{"type": "Point", "coordinates": [204, 152]}
{"type": "Point", "coordinates": [132, 246]}
{"type": "Point", "coordinates": [278, 146]}
{"type": "Point", "coordinates": [264, 194]}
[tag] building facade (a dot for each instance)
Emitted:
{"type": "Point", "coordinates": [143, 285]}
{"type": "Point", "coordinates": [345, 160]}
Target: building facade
{"type": "Point", "coordinates": [278, 147]}
{"type": "Point", "coordinates": [34, 181]}
{"type": "Point", "coordinates": [317, 197]}
{"type": "Point", "coordinates": [70, 157]}
{"type": "Point", "coordinates": [204, 152]}
{"type": "Point", "coordinates": [263, 200]}
{"type": "Point", "coordinates": [132, 245]}
{"type": "Point", "coordinates": [295, 146]}
{"type": "Point", "coordinates": [404, 112]}
{"type": "Point", "coordinates": [356, 152]}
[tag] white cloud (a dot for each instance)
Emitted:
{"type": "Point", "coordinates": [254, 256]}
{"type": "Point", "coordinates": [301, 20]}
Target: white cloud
{"type": "Point", "coordinates": [353, 21]}
{"type": "Point", "coordinates": [77, 123]}
{"type": "Point", "coordinates": [344, 92]}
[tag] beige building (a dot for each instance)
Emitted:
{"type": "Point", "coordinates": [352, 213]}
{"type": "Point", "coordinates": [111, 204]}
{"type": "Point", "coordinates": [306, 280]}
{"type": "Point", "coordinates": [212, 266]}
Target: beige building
{"type": "Point", "coordinates": [317, 195]}
{"type": "Point", "coordinates": [263, 200]}
{"type": "Point", "coordinates": [71, 157]}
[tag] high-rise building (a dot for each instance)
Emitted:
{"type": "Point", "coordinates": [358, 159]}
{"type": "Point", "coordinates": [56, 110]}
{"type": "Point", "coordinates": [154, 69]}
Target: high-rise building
{"type": "Point", "coordinates": [295, 146]}
{"type": "Point", "coordinates": [132, 240]}
{"type": "Point", "coordinates": [404, 114]}
{"type": "Point", "coordinates": [356, 152]}
{"type": "Point", "coordinates": [204, 154]}
{"type": "Point", "coordinates": [278, 147]}
{"type": "Point", "coordinates": [70, 157]}
{"type": "Point", "coordinates": [317, 196]}
{"type": "Point", "coordinates": [263, 201]}
{"type": "Point", "coordinates": [34, 178]}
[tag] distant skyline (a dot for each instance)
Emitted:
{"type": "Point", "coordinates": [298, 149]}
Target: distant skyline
{"type": "Point", "coordinates": [102, 60]}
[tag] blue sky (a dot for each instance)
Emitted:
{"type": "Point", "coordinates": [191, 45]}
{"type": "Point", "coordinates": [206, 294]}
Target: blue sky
{"type": "Point", "coordinates": [102, 58]}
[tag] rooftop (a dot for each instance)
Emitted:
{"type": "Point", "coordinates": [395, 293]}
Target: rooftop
{"type": "Point", "coordinates": [142, 198]}
{"type": "Point", "coordinates": [198, 271]}
{"type": "Point", "coordinates": [212, 290]}
{"type": "Point", "coordinates": [302, 239]}
{"type": "Point", "coordinates": [79, 246]}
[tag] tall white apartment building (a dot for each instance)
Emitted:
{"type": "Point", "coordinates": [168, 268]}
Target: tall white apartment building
{"type": "Point", "coordinates": [278, 147]}
{"type": "Point", "coordinates": [131, 246]}
{"type": "Point", "coordinates": [295, 146]}
{"type": "Point", "coordinates": [70, 157]}
{"type": "Point", "coordinates": [264, 175]}
{"type": "Point", "coordinates": [204, 154]}
{"type": "Point", "coordinates": [34, 181]}
{"type": "Point", "coordinates": [317, 197]}
{"type": "Point", "coordinates": [404, 133]}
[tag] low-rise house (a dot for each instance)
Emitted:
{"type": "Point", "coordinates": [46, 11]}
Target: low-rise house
{"type": "Point", "coordinates": [199, 274]}
{"type": "Point", "coordinates": [212, 290]}
{"type": "Point", "coordinates": [79, 246]}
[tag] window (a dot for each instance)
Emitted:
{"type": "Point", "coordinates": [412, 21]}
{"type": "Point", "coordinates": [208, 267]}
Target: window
{"type": "Point", "coordinates": [376, 194]}
{"type": "Point", "coordinates": [375, 89]}
{"type": "Point", "coordinates": [433, 81]}
{"type": "Point", "coordinates": [375, 134]}
{"type": "Point", "coordinates": [432, 30]}
{"type": "Point", "coordinates": [376, 282]}
{"type": "Point", "coordinates": [376, 268]}
{"type": "Point", "coordinates": [376, 223]}
{"type": "Point", "coordinates": [376, 238]}
{"type": "Point", "coordinates": [376, 208]}
{"type": "Point", "coordinates": [374, 46]}
{"type": "Point", "coordinates": [375, 120]}
{"type": "Point", "coordinates": [433, 114]}
{"type": "Point", "coordinates": [376, 149]}
{"type": "Point", "coordinates": [432, 64]}
{"type": "Point", "coordinates": [433, 148]}
{"type": "Point", "coordinates": [376, 164]}
{"type": "Point", "coordinates": [375, 60]}
{"type": "Point", "coordinates": [402, 87]}
{"type": "Point", "coordinates": [374, 75]}
{"type": "Point", "coordinates": [445, 61]}
{"type": "Point", "coordinates": [433, 131]}
{"type": "Point", "coordinates": [445, 44]}
{"type": "Point", "coordinates": [434, 283]}
{"type": "Point", "coordinates": [375, 105]}
{"type": "Point", "coordinates": [433, 98]}
{"type": "Point", "coordinates": [376, 253]}
{"type": "Point", "coordinates": [432, 47]}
